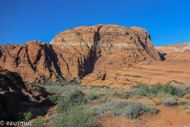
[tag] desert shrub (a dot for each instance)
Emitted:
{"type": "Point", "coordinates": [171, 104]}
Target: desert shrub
{"type": "Point", "coordinates": [126, 75]}
{"type": "Point", "coordinates": [136, 76]}
{"type": "Point", "coordinates": [138, 96]}
{"type": "Point", "coordinates": [133, 111]}
{"type": "Point", "coordinates": [92, 87]}
{"type": "Point", "coordinates": [141, 93]}
{"type": "Point", "coordinates": [69, 83]}
{"type": "Point", "coordinates": [187, 96]}
{"type": "Point", "coordinates": [186, 107]}
{"type": "Point", "coordinates": [161, 94]}
{"type": "Point", "coordinates": [150, 95]}
{"type": "Point", "coordinates": [103, 99]}
{"type": "Point", "coordinates": [169, 101]}
{"type": "Point", "coordinates": [49, 113]}
{"type": "Point", "coordinates": [155, 89]}
{"type": "Point", "coordinates": [61, 104]}
{"type": "Point", "coordinates": [174, 81]}
{"type": "Point", "coordinates": [106, 107]}
{"type": "Point", "coordinates": [92, 96]}
{"type": "Point", "coordinates": [95, 109]}
{"type": "Point", "coordinates": [83, 117]}
{"type": "Point", "coordinates": [158, 88]}
{"type": "Point", "coordinates": [139, 86]}
{"type": "Point", "coordinates": [117, 112]}
{"type": "Point", "coordinates": [158, 102]}
{"type": "Point", "coordinates": [75, 98]}
{"type": "Point", "coordinates": [111, 83]}
{"type": "Point", "coordinates": [182, 102]}
{"type": "Point", "coordinates": [53, 98]}
{"type": "Point", "coordinates": [78, 117]}
{"type": "Point", "coordinates": [142, 90]}
{"type": "Point", "coordinates": [129, 109]}
{"type": "Point", "coordinates": [177, 82]}
{"type": "Point", "coordinates": [116, 105]}
{"type": "Point", "coordinates": [122, 95]}
{"type": "Point", "coordinates": [167, 89]}
{"type": "Point", "coordinates": [170, 89]}
{"type": "Point", "coordinates": [27, 116]}
{"type": "Point", "coordinates": [37, 123]}
{"type": "Point", "coordinates": [119, 107]}
{"type": "Point", "coordinates": [145, 87]}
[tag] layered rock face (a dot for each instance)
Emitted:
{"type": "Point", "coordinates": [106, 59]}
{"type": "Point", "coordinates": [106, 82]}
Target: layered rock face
{"type": "Point", "coordinates": [76, 52]}
{"type": "Point", "coordinates": [34, 61]}
{"type": "Point", "coordinates": [102, 48]}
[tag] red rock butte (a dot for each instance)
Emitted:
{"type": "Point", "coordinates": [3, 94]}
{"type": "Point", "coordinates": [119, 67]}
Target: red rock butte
{"type": "Point", "coordinates": [77, 52]}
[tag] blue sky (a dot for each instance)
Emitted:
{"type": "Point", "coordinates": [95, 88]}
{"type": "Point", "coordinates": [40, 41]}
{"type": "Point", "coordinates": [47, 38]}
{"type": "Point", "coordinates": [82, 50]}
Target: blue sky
{"type": "Point", "coordinates": [167, 21]}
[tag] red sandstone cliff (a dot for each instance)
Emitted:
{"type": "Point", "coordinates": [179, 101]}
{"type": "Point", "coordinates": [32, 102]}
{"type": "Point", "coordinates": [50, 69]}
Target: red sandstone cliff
{"type": "Point", "coordinates": [76, 52]}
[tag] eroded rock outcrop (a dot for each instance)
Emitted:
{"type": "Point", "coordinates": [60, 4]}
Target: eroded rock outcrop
{"type": "Point", "coordinates": [76, 52]}
{"type": "Point", "coordinates": [35, 62]}
{"type": "Point", "coordinates": [15, 96]}
{"type": "Point", "coordinates": [104, 47]}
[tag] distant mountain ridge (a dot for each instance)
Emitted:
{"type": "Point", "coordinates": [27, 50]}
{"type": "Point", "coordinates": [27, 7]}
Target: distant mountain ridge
{"type": "Point", "coordinates": [175, 47]}
{"type": "Point", "coordinates": [173, 50]}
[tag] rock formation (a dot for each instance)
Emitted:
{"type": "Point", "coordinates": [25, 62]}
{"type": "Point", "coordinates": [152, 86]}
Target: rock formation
{"type": "Point", "coordinates": [13, 93]}
{"type": "Point", "coordinates": [76, 52]}
{"type": "Point", "coordinates": [173, 50]}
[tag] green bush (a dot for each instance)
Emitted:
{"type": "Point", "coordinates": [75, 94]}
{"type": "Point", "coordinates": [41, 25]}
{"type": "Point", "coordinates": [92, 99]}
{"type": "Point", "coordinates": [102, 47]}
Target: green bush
{"type": "Point", "coordinates": [126, 75]}
{"type": "Point", "coordinates": [60, 104]}
{"type": "Point", "coordinates": [145, 87]}
{"type": "Point", "coordinates": [139, 86]}
{"type": "Point", "coordinates": [187, 96]}
{"type": "Point", "coordinates": [141, 93]}
{"type": "Point", "coordinates": [75, 98]}
{"type": "Point", "coordinates": [53, 98]}
{"type": "Point", "coordinates": [129, 109]}
{"type": "Point", "coordinates": [169, 101]}
{"type": "Point", "coordinates": [79, 117]}
{"type": "Point", "coordinates": [155, 89]}
{"type": "Point", "coordinates": [157, 102]}
{"type": "Point", "coordinates": [186, 107]}
{"type": "Point", "coordinates": [122, 95]}
{"type": "Point", "coordinates": [28, 116]}
{"type": "Point", "coordinates": [170, 89]}
{"type": "Point", "coordinates": [37, 123]}
{"type": "Point", "coordinates": [182, 102]}
{"type": "Point", "coordinates": [104, 100]}
{"type": "Point", "coordinates": [158, 88]}
{"type": "Point", "coordinates": [92, 87]}
{"type": "Point", "coordinates": [150, 95]}
{"type": "Point", "coordinates": [133, 111]}
{"type": "Point", "coordinates": [161, 94]}
{"type": "Point", "coordinates": [49, 113]}
{"type": "Point", "coordinates": [92, 96]}
{"type": "Point", "coordinates": [136, 76]}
